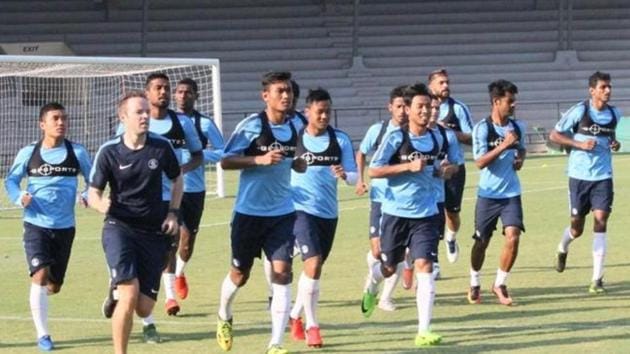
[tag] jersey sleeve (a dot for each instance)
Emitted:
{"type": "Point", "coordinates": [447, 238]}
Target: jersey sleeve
{"type": "Point", "coordinates": [85, 163]}
{"type": "Point", "coordinates": [193, 144]}
{"type": "Point", "coordinates": [462, 113]}
{"type": "Point", "coordinates": [453, 154]}
{"type": "Point", "coordinates": [245, 132]}
{"type": "Point", "coordinates": [522, 141]}
{"type": "Point", "coordinates": [369, 140]}
{"type": "Point", "coordinates": [16, 173]}
{"type": "Point", "coordinates": [101, 169]}
{"type": "Point", "coordinates": [171, 163]}
{"type": "Point", "coordinates": [215, 141]}
{"type": "Point", "coordinates": [570, 119]}
{"type": "Point", "coordinates": [347, 152]}
{"type": "Point", "coordinates": [387, 149]}
{"type": "Point", "coordinates": [480, 140]}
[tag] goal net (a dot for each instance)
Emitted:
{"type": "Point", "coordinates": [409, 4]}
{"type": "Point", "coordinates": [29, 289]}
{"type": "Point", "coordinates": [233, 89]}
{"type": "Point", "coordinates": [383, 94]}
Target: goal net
{"type": "Point", "coordinates": [89, 88]}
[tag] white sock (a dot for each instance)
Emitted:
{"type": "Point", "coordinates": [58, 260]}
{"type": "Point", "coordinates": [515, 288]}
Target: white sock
{"type": "Point", "coordinates": [374, 279]}
{"type": "Point", "coordinates": [371, 261]}
{"type": "Point", "coordinates": [567, 238]}
{"type": "Point", "coordinates": [267, 269]}
{"type": "Point", "coordinates": [299, 299]}
{"type": "Point", "coordinates": [39, 308]}
{"type": "Point", "coordinates": [279, 312]}
{"type": "Point", "coordinates": [389, 284]}
{"type": "Point", "coordinates": [148, 320]}
{"type": "Point", "coordinates": [475, 278]}
{"type": "Point", "coordinates": [449, 235]}
{"type": "Point", "coordinates": [425, 295]}
{"type": "Point", "coordinates": [180, 264]}
{"type": "Point", "coordinates": [310, 296]}
{"type": "Point", "coordinates": [501, 278]}
{"type": "Point", "coordinates": [599, 253]}
{"type": "Point", "coordinates": [169, 289]}
{"type": "Point", "coordinates": [228, 293]}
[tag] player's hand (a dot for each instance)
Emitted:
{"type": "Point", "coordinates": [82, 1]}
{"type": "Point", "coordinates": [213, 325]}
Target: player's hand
{"type": "Point", "coordinates": [416, 165]}
{"type": "Point", "coordinates": [82, 201]}
{"type": "Point", "coordinates": [272, 157]}
{"type": "Point", "coordinates": [299, 165]}
{"type": "Point", "coordinates": [518, 162]}
{"type": "Point", "coordinates": [103, 206]}
{"type": "Point", "coordinates": [361, 188]}
{"type": "Point", "coordinates": [615, 145]}
{"type": "Point", "coordinates": [170, 226]}
{"type": "Point", "coordinates": [510, 139]}
{"type": "Point", "coordinates": [587, 145]}
{"type": "Point", "coordinates": [447, 169]}
{"type": "Point", "coordinates": [338, 171]}
{"type": "Point", "coordinates": [26, 200]}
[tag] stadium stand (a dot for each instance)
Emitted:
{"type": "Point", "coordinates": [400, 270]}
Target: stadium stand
{"type": "Point", "coordinates": [525, 41]}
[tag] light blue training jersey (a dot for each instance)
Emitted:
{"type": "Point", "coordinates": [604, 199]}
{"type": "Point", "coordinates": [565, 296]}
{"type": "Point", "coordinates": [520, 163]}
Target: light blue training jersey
{"type": "Point", "coordinates": [462, 114]}
{"type": "Point", "coordinates": [195, 181]}
{"type": "Point", "coordinates": [498, 180]}
{"type": "Point", "coordinates": [453, 156]}
{"type": "Point", "coordinates": [368, 146]}
{"type": "Point", "coordinates": [163, 126]}
{"type": "Point", "coordinates": [315, 191]}
{"type": "Point", "coordinates": [262, 190]}
{"type": "Point", "coordinates": [54, 198]}
{"type": "Point", "coordinates": [409, 194]}
{"type": "Point", "coordinates": [595, 165]}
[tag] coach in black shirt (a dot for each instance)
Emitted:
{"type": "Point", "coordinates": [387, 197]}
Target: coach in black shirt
{"type": "Point", "coordinates": [138, 224]}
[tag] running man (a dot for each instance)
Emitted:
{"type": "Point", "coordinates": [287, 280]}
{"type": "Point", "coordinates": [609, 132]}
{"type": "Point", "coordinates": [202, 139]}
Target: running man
{"type": "Point", "coordinates": [263, 147]}
{"type": "Point", "coordinates": [588, 129]}
{"type": "Point", "coordinates": [186, 94]}
{"type": "Point", "coordinates": [499, 152]}
{"type": "Point", "coordinates": [133, 165]}
{"type": "Point", "coordinates": [330, 157]}
{"type": "Point", "coordinates": [369, 144]}
{"type": "Point", "coordinates": [51, 166]}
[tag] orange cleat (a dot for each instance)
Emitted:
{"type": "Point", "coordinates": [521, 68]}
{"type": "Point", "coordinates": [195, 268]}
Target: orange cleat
{"type": "Point", "coordinates": [172, 307]}
{"type": "Point", "coordinates": [297, 329]}
{"type": "Point", "coordinates": [314, 338]}
{"type": "Point", "coordinates": [181, 287]}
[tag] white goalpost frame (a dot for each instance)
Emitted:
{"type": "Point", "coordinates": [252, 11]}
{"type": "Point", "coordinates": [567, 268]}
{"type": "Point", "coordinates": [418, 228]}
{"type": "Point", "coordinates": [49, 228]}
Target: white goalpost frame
{"type": "Point", "coordinates": [167, 62]}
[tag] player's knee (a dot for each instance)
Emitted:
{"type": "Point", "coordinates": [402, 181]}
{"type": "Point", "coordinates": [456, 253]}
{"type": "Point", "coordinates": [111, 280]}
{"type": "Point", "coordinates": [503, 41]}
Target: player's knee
{"type": "Point", "coordinates": [53, 288]}
{"type": "Point", "coordinates": [239, 277]}
{"type": "Point", "coordinates": [388, 270]}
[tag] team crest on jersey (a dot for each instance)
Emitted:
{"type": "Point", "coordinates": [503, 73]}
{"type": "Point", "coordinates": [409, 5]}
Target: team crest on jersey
{"type": "Point", "coordinates": [153, 164]}
{"type": "Point", "coordinates": [47, 170]}
{"type": "Point", "coordinates": [277, 146]}
{"type": "Point", "coordinates": [595, 129]}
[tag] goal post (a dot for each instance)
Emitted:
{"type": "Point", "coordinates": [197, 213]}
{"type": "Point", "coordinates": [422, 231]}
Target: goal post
{"type": "Point", "coordinates": [89, 88]}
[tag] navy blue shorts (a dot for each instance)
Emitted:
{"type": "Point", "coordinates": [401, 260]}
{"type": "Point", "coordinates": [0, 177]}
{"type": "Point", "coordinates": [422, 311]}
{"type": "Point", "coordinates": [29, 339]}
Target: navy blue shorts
{"type": "Point", "coordinates": [440, 219]}
{"type": "Point", "coordinates": [135, 253]}
{"type": "Point", "coordinates": [419, 235]}
{"type": "Point", "coordinates": [251, 234]}
{"type": "Point", "coordinates": [48, 248]}
{"type": "Point", "coordinates": [488, 211]}
{"type": "Point", "coordinates": [191, 210]}
{"type": "Point", "coordinates": [314, 236]}
{"type": "Point", "coordinates": [585, 196]}
{"type": "Point", "coordinates": [375, 219]}
{"type": "Point", "coordinates": [454, 190]}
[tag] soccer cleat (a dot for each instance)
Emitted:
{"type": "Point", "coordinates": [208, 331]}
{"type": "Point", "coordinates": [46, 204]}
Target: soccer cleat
{"type": "Point", "coordinates": [386, 305]}
{"type": "Point", "coordinates": [368, 303]}
{"type": "Point", "coordinates": [181, 286]}
{"type": "Point", "coordinates": [45, 343]}
{"type": "Point", "coordinates": [314, 338]}
{"type": "Point", "coordinates": [561, 261]}
{"type": "Point", "coordinates": [474, 295]}
{"type": "Point", "coordinates": [597, 287]}
{"type": "Point", "coordinates": [150, 334]}
{"type": "Point", "coordinates": [224, 334]}
{"type": "Point", "coordinates": [172, 307]}
{"type": "Point", "coordinates": [437, 275]}
{"type": "Point", "coordinates": [297, 329]}
{"type": "Point", "coordinates": [452, 251]}
{"type": "Point", "coordinates": [502, 294]}
{"type": "Point", "coordinates": [407, 278]}
{"type": "Point", "coordinates": [427, 338]}
{"type": "Point", "coordinates": [276, 349]}
{"type": "Point", "coordinates": [109, 304]}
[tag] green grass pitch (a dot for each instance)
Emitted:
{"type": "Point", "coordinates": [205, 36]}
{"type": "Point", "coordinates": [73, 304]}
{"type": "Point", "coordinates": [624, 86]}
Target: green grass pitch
{"type": "Point", "coordinates": [553, 314]}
